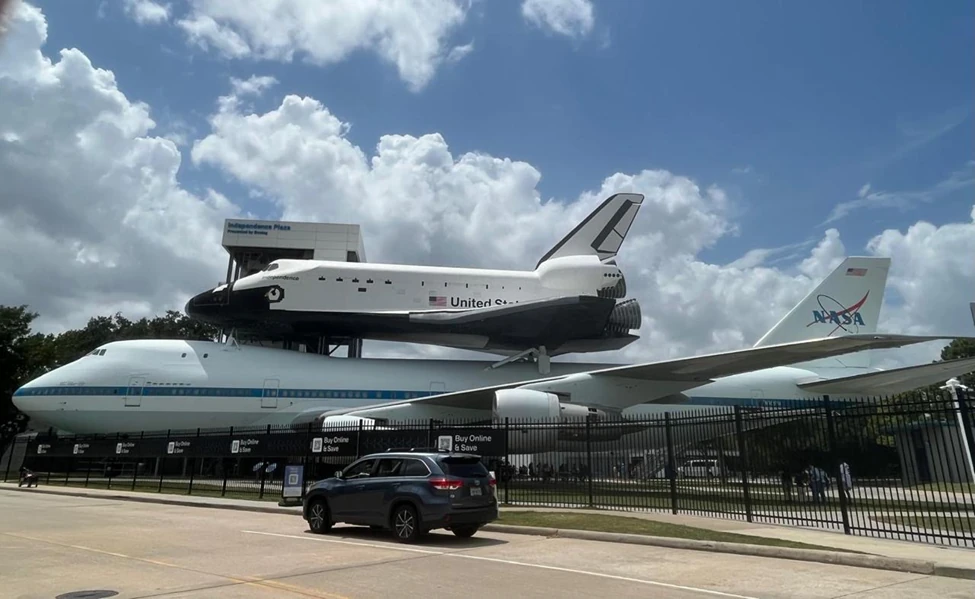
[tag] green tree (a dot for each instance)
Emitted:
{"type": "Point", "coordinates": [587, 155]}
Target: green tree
{"type": "Point", "coordinates": [25, 354]}
{"type": "Point", "coordinates": [961, 348]}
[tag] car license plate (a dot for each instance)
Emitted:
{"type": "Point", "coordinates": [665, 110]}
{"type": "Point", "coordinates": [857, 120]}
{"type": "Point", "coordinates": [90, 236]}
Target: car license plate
{"type": "Point", "coordinates": [475, 491]}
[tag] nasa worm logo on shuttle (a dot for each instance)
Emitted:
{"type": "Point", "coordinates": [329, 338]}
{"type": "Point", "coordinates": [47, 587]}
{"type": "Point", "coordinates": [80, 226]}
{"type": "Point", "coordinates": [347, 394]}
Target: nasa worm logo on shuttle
{"type": "Point", "coordinates": [274, 295]}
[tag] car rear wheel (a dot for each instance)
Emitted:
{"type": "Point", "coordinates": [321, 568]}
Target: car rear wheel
{"type": "Point", "coordinates": [464, 532]}
{"type": "Point", "coordinates": [319, 519]}
{"type": "Point", "coordinates": [406, 525]}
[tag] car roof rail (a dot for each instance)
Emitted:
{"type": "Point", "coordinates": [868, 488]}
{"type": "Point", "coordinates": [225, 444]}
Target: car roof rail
{"type": "Point", "coordinates": [414, 450]}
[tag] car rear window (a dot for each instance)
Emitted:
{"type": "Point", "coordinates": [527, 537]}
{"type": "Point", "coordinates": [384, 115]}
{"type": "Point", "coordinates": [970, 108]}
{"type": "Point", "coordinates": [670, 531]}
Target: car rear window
{"type": "Point", "coordinates": [463, 467]}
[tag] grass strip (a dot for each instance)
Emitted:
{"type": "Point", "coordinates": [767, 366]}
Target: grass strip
{"type": "Point", "coordinates": [639, 526]}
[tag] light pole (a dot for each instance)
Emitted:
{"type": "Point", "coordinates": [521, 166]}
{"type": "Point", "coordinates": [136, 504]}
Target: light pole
{"type": "Point", "coordinates": [953, 385]}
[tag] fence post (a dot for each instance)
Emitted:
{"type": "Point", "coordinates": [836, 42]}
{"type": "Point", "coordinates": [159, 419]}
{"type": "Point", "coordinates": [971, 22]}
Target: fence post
{"type": "Point", "coordinates": [358, 442]}
{"type": "Point", "coordinates": [162, 463]}
{"type": "Point", "coordinates": [10, 458]}
{"type": "Point", "coordinates": [965, 414]}
{"type": "Point", "coordinates": [189, 489]}
{"type": "Point", "coordinates": [506, 472]}
{"type": "Point", "coordinates": [743, 454]}
{"type": "Point", "coordinates": [306, 461]}
{"type": "Point", "coordinates": [671, 462]}
{"type": "Point", "coordinates": [135, 470]}
{"type": "Point", "coordinates": [67, 470]}
{"type": "Point", "coordinates": [223, 466]}
{"type": "Point", "coordinates": [835, 463]}
{"type": "Point", "coordinates": [589, 468]}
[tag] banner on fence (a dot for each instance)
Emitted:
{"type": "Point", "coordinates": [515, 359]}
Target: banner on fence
{"type": "Point", "coordinates": [344, 444]}
{"type": "Point", "coordinates": [480, 441]}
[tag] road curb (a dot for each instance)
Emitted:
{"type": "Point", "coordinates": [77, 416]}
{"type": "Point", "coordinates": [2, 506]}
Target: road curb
{"type": "Point", "coordinates": [840, 558]}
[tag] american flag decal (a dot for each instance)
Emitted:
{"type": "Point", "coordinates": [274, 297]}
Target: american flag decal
{"type": "Point", "coordinates": [438, 301]}
{"type": "Point", "coordinates": [856, 272]}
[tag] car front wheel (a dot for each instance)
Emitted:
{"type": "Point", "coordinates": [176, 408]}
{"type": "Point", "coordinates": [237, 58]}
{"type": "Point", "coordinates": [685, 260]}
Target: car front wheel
{"type": "Point", "coordinates": [319, 519]}
{"type": "Point", "coordinates": [406, 525]}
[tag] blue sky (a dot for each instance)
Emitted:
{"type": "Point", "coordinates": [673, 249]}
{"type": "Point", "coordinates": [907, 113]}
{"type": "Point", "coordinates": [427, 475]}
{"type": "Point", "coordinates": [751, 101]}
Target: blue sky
{"type": "Point", "coordinates": [790, 108]}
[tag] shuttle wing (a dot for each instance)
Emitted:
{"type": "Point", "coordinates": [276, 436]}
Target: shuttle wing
{"type": "Point", "coordinates": [679, 374]}
{"type": "Point", "coordinates": [893, 381]}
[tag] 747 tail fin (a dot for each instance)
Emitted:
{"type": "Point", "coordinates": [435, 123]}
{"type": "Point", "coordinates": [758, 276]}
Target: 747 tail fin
{"type": "Point", "coordinates": [602, 232]}
{"type": "Point", "coordinates": [846, 302]}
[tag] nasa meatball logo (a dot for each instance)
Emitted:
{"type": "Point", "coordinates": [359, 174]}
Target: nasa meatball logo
{"type": "Point", "coordinates": [274, 294]}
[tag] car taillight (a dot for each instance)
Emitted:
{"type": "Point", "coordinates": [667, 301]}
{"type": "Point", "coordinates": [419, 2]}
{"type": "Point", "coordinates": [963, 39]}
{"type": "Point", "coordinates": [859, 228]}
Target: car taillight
{"type": "Point", "coordinates": [445, 484]}
{"type": "Point", "coordinates": [492, 482]}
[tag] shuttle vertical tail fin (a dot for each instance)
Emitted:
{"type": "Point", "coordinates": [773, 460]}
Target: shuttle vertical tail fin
{"type": "Point", "coordinates": [846, 302]}
{"type": "Point", "coordinates": [602, 232]}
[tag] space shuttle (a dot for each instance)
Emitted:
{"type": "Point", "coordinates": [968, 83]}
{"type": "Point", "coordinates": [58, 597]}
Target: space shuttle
{"type": "Point", "coordinates": [571, 302]}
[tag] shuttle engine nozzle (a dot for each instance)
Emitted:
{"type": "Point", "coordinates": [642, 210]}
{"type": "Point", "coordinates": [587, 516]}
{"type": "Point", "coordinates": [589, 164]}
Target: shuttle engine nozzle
{"type": "Point", "coordinates": [626, 316]}
{"type": "Point", "coordinates": [617, 291]}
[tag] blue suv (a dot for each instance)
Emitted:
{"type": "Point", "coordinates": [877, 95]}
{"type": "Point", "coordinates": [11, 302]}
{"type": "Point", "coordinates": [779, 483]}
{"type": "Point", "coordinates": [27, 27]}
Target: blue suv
{"type": "Point", "coordinates": [409, 492]}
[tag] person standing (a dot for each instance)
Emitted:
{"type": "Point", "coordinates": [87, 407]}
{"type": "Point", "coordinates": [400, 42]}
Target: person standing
{"type": "Point", "coordinates": [817, 483]}
{"type": "Point", "coordinates": [846, 479]}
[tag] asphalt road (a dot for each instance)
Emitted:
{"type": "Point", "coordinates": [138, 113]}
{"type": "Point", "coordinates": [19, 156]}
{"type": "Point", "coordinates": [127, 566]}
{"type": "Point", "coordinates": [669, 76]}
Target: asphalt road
{"type": "Point", "coordinates": [51, 545]}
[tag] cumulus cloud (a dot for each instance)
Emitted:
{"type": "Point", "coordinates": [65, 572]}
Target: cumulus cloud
{"type": "Point", "coordinates": [412, 35]}
{"type": "Point", "coordinates": [571, 18]}
{"type": "Point", "coordinates": [254, 85]}
{"type": "Point", "coordinates": [468, 209]}
{"type": "Point", "coordinates": [147, 12]}
{"type": "Point", "coordinates": [92, 219]}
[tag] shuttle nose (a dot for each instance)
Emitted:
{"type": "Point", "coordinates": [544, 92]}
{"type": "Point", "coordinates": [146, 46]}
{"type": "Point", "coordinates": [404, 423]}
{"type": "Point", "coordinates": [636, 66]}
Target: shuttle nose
{"type": "Point", "coordinates": [210, 306]}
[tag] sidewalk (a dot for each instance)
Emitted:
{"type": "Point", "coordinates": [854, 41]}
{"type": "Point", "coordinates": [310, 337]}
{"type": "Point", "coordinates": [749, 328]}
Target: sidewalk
{"type": "Point", "coordinates": [945, 557]}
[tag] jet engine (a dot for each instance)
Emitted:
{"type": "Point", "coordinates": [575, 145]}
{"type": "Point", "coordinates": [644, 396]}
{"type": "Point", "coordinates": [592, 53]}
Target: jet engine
{"type": "Point", "coordinates": [520, 405]}
{"type": "Point", "coordinates": [525, 404]}
{"type": "Point", "coordinates": [625, 317]}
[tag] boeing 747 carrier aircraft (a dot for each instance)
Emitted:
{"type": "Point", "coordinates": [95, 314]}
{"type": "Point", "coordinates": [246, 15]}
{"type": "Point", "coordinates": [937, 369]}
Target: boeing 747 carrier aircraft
{"type": "Point", "coordinates": [571, 301]}
{"type": "Point", "coordinates": [179, 385]}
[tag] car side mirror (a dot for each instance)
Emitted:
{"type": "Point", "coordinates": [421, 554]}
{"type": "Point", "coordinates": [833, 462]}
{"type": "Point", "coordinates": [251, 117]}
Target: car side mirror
{"type": "Point", "coordinates": [338, 474]}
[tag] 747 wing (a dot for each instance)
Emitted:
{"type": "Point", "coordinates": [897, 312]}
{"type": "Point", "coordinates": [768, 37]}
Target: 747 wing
{"type": "Point", "coordinates": [655, 380]}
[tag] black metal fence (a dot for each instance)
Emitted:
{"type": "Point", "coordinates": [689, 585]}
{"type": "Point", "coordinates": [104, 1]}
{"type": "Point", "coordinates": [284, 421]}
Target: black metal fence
{"type": "Point", "coordinates": [892, 467]}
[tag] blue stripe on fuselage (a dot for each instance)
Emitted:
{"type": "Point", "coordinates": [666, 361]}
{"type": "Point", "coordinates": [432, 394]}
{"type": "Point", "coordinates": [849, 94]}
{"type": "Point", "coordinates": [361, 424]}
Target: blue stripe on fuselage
{"type": "Point", "coordinates": [374, 394]}
{"type": "Point", "coordinates": [181, 391]}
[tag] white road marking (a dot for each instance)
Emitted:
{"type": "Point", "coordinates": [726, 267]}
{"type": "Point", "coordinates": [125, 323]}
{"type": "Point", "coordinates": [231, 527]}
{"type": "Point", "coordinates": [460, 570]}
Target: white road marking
{"type": "Point", "coordinates": [504, 561]}
{"type": "Point", "coordinates": [359, 543]}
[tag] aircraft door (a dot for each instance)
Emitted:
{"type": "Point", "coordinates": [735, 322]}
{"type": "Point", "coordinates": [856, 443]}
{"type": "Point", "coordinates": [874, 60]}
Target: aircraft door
{"type": "Point", "coordinates": [133, 393]}
{"type": "Point", "coordinates": [269, 399]}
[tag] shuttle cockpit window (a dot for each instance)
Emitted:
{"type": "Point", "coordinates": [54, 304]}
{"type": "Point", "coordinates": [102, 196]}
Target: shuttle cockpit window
{"type": "Point", "coordinates": [271, 266]}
